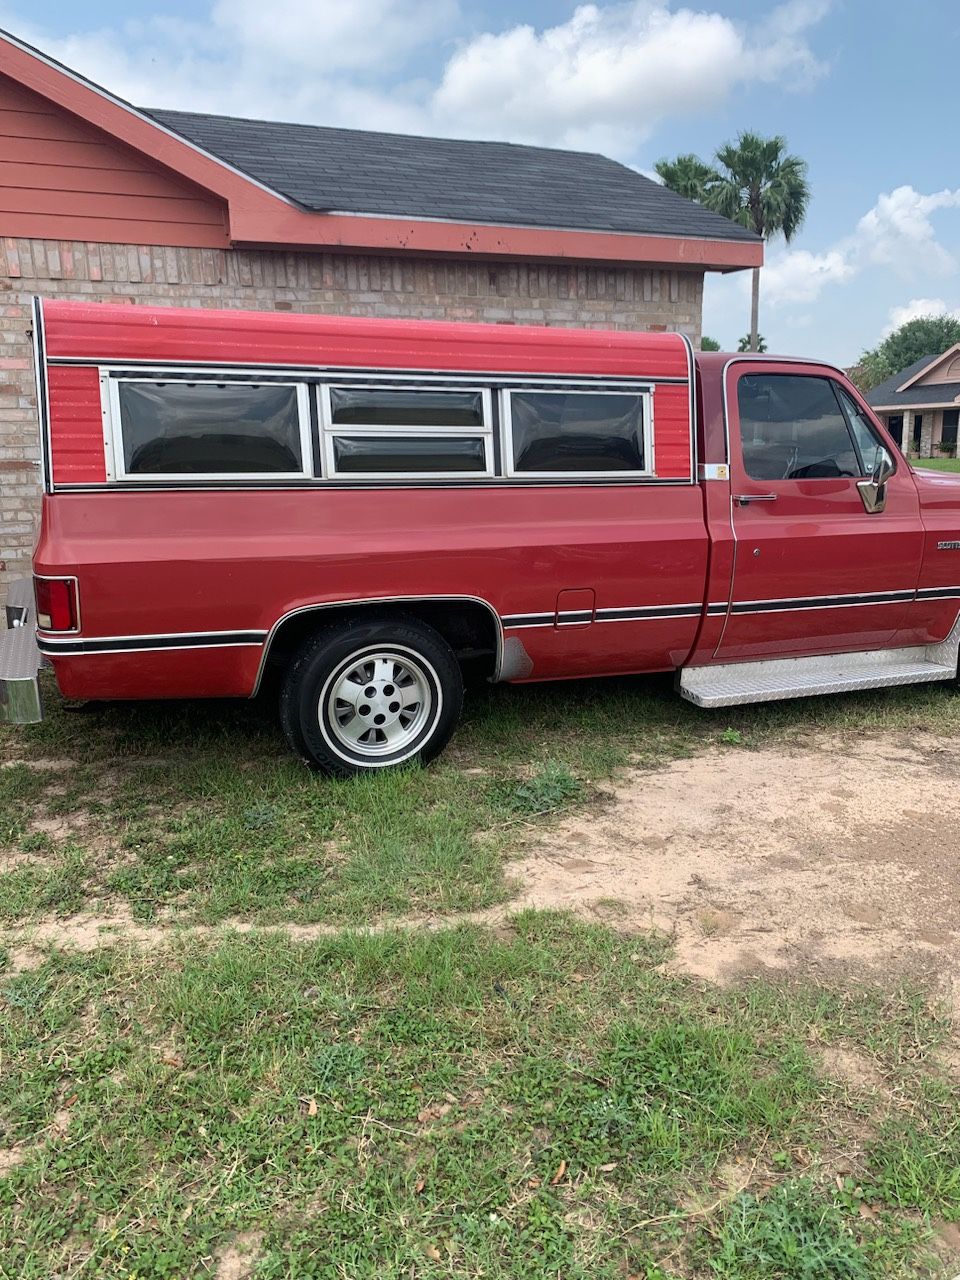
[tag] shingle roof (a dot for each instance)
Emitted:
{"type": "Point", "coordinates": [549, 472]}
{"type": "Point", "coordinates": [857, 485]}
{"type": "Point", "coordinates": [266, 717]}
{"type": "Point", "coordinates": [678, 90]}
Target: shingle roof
{"type": "Point", "coordinates": [397, 175]}
{"type": "Point", "coordinates": [886, 394]}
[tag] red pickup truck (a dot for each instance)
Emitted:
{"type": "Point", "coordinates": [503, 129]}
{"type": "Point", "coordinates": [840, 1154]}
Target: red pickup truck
{"type": "Point", "coordinates": [375, 508]}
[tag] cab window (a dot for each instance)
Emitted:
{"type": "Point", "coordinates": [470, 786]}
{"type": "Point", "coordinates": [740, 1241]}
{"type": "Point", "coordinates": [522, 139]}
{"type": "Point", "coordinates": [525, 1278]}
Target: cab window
{"type": "Point", "coordinates": [792, 428]}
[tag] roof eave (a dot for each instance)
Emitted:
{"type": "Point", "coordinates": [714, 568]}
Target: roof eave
{"type": "Point", "coordinates": [931, 364]}
{"type": "Point", "coordinates": [366, 233]}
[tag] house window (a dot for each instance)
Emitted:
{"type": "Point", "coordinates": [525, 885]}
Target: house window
{"type": "Point", "coordinates": [597, 433]}
{"type": "Point", "coordinates": [917, 429]}
{"type": "Point", "coordinates": [209, 429]}
{"type": "Point", "coordinates": [394, 433]}
{"type": "Point", "coordinates": [949, 434]}
{"type": "Point", "coordinates": [895, 427]}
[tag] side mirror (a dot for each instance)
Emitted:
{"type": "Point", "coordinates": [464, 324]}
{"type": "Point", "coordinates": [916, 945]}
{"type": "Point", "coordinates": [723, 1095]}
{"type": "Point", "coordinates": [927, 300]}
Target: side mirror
{"type": "Point", "coordinates": [873, 492]}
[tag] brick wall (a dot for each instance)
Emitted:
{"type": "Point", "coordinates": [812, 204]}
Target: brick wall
{"type": "Point", "coordinates": [602, 297]}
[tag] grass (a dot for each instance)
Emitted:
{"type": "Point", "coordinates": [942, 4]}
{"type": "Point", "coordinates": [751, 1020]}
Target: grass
{"type": "Point", "coordinates": [937, 464]}
{"type": "Point", "coordinates": [541, 1102]}
{"type": "Point", "coordinates": [197, 812]}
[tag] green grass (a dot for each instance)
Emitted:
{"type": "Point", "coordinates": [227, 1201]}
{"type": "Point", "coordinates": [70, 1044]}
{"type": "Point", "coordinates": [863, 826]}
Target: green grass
{"type": "Point", "coordinates": [543, 1102]}
{"type": "Point", "coordinates": [197, 811]}
{"type": "Point", "coordinates": [937, 464]}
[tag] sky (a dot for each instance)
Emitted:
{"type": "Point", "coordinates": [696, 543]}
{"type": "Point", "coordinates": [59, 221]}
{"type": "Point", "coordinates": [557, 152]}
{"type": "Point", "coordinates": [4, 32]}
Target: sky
{"type": "Point", "coordinates": [863, 91]}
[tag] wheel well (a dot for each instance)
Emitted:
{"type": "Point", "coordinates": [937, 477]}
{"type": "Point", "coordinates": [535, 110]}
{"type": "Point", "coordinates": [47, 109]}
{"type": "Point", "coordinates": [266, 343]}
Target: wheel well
{"type": "Point", "coordinates": [470, 628]}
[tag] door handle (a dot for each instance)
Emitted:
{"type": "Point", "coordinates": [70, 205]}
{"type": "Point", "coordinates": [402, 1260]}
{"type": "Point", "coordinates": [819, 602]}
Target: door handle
{"type": "Point", "coordinates": [744, 498]}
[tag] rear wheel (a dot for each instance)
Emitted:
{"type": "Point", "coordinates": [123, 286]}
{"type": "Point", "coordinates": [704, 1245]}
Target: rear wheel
{"type": "Point", "coordinates": [371, 694]}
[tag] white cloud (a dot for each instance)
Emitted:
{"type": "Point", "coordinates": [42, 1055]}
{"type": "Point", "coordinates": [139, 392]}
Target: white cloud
{"type": "Point", "coordinates": [609, 74]}
{"type": "Point", "coordinates": [915, 308]}
{"type": "Point", "coordinates": [604, 78]}
{"type": "Point", "coordinates": [896, 232]}
{"type": "Point", "coordinates": [800, 276]}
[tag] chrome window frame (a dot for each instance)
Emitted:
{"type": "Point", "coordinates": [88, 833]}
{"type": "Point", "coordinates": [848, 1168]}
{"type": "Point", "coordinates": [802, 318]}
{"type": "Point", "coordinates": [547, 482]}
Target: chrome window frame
{"type": "Point", "coordinates": [330, 432]}
{"type": "Point", "coordinates": [113, 435]}
{"type": "Point", "coordinates": [644, 392]}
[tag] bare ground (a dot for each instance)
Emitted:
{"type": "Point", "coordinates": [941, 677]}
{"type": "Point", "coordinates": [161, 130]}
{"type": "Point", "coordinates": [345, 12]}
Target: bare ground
{"type": "Point", "coordinates": [844, 857]}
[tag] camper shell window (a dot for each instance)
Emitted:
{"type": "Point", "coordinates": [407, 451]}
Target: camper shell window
{"type": "Point", "coordinates": [579, 433]}
{"type": "Point", "coordinates": [210, 429]}
{"type": "Point", "coordinates": [395, 433]}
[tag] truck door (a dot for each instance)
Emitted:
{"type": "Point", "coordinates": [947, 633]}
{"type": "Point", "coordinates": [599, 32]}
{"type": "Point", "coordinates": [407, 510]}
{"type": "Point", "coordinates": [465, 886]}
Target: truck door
{"type": "Point", "coordinates": [815, 571]}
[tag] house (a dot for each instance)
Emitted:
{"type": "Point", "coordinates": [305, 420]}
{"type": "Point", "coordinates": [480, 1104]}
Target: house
{"type": "Point", "coordinates": [101, 200]}
{"type": "Point", "coordinates": [921, 404]}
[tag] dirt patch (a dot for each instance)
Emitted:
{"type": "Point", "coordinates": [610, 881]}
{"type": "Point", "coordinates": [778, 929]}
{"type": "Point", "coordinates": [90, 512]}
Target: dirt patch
{"type": "Point", "coordinates": [50, 763]}
{"type": "Point", "coordinates": [10, 1157]}
{"type": "Point", "coordinates": [839, 857]}
{"type": "Point", "coordinates": [237, 1260]}
{"type": "Point", "coordinates": [22, 959]}
{"type": "Point", "coordinates": [845, 855]}
{"type": "Point", "coordinates": [851, 1067]}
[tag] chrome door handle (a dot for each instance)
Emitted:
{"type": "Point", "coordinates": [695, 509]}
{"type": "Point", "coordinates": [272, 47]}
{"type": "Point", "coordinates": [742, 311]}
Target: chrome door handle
{"type": "Point", "coordinates": [744, 498]}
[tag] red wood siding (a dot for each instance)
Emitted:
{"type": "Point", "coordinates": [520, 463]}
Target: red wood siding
{"type": "Point", "coordinates": [76, 428]}
{"type": "Point", "coordinates": [63, 178]}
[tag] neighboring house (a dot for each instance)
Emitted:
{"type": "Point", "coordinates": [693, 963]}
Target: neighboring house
{"type": "Point", "coordinates": [100, 200]}
{"type": "Point", "coordinates": [921, 404]}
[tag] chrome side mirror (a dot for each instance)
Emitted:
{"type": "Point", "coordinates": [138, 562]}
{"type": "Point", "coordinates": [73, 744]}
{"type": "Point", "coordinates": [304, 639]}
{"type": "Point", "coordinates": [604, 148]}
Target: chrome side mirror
{"type": "Point", "coordinates": [873, 492]}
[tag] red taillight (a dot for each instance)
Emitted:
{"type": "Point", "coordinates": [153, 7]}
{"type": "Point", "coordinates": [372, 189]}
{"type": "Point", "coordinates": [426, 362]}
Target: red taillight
{"type": "Point", "coordinates": [56, 603]}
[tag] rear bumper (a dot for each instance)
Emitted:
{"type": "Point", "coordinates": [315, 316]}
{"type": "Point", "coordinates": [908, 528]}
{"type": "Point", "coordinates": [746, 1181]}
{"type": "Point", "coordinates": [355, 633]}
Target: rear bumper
{"type": "Point", "coordinates": [20, 659]}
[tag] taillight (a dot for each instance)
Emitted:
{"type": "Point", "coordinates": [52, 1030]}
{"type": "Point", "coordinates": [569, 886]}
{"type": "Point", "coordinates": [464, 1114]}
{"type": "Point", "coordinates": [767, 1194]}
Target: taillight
{"type": "Point", "coordinates": [56, 604]}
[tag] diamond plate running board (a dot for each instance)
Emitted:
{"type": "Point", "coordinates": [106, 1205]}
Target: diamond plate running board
{"type": "Point", "coordinates": [733, 684]}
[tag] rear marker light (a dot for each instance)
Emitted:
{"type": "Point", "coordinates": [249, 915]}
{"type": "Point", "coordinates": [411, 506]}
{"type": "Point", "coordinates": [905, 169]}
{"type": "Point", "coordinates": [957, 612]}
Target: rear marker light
{"type": "Point", "coordinates": [56, 603]}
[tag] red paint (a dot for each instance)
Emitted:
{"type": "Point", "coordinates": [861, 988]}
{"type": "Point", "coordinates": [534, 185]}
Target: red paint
{"type": "Point", "coordinates": [76, 425]}
{"type": "Point", "coordinates": [63, 179]}
{"type": "Point", "coordinates": [259, 217]}
{"type": "Point", "coordinates": [781, 551]}
{"type": "Point", "coordinates": [187, 563]}
{"type": "Point", "coordinates": [98, 332]}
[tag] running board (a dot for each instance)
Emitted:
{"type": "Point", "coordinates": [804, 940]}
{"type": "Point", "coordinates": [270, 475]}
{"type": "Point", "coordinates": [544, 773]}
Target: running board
{"type": "Point", "coordinates": [735, 683]}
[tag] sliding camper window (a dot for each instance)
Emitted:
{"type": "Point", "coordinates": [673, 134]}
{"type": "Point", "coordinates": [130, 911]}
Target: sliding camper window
{"type": "Point", "coordinates": [578, 433]}
{"type": "Point", "coordinates": [209, 429]}
{"type": "Point", "coordinates": [392, 433]}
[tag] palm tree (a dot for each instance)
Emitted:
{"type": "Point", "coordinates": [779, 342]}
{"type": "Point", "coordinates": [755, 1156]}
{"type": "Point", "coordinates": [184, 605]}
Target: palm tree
{"type": "Point", "coordinates": [747, 343]}
{"type": "Point", "coordinates": [687, 175]}
{"type": "Point", "coordinates": [755, 183]}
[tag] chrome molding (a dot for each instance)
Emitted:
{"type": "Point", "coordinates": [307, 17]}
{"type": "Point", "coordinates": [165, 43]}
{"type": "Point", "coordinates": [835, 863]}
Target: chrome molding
{"type": "Point", "coordinates": [43, 409]}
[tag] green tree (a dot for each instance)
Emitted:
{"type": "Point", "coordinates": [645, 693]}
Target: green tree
{"type": "Point", "coordinates": [687, 175]}
{"type": "Point", "coordinates": [756, 183]}
{"type": "Point", "coordinates": [924, 336]}
{"type": "Point", "coordinates": [748, 343]}
{"type": "Point", "coordinates": [709, 344]}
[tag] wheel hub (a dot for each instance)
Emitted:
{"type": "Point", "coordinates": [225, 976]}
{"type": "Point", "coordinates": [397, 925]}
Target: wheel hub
{"type": "Point", "coordinates": [378, 704]}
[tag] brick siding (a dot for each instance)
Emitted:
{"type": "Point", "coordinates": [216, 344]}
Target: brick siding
{"type": "Point", "coordinates": [423, 288]}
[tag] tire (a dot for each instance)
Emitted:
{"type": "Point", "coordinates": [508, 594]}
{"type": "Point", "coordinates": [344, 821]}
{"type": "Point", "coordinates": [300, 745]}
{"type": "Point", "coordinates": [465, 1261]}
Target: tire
{"type": "Point", "coordinates": [371, 694]}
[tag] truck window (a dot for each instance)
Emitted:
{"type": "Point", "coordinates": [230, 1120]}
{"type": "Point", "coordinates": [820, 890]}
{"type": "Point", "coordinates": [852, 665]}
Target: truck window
{"type": "Point", "coordinates": [393, 432]}
{"type": "Point", "coordinates": [792, 428]}
{"type": "Point", "coordinates": [577, 432]}
{"type": "Point", "coordinates": [209, 429]}
{"type": "Point", "coordinates": [869, 445]}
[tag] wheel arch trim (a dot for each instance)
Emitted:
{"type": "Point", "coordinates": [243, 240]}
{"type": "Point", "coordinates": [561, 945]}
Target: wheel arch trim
{"type": "Point", "coordinates": [323, 605]}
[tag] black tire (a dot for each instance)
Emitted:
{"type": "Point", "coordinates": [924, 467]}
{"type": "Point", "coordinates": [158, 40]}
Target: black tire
{"type": "Point", "coordinates": [405, 707]}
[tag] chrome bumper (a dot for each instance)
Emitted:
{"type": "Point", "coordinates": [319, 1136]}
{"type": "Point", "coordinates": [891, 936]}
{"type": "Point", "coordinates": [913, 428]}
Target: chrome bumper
{"type": "Point", "coordinates": [20, 659]}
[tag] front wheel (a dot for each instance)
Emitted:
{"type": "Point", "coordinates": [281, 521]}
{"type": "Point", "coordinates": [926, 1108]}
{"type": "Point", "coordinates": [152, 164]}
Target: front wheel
{"type": "Point", "coordinates": [370, 694]}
